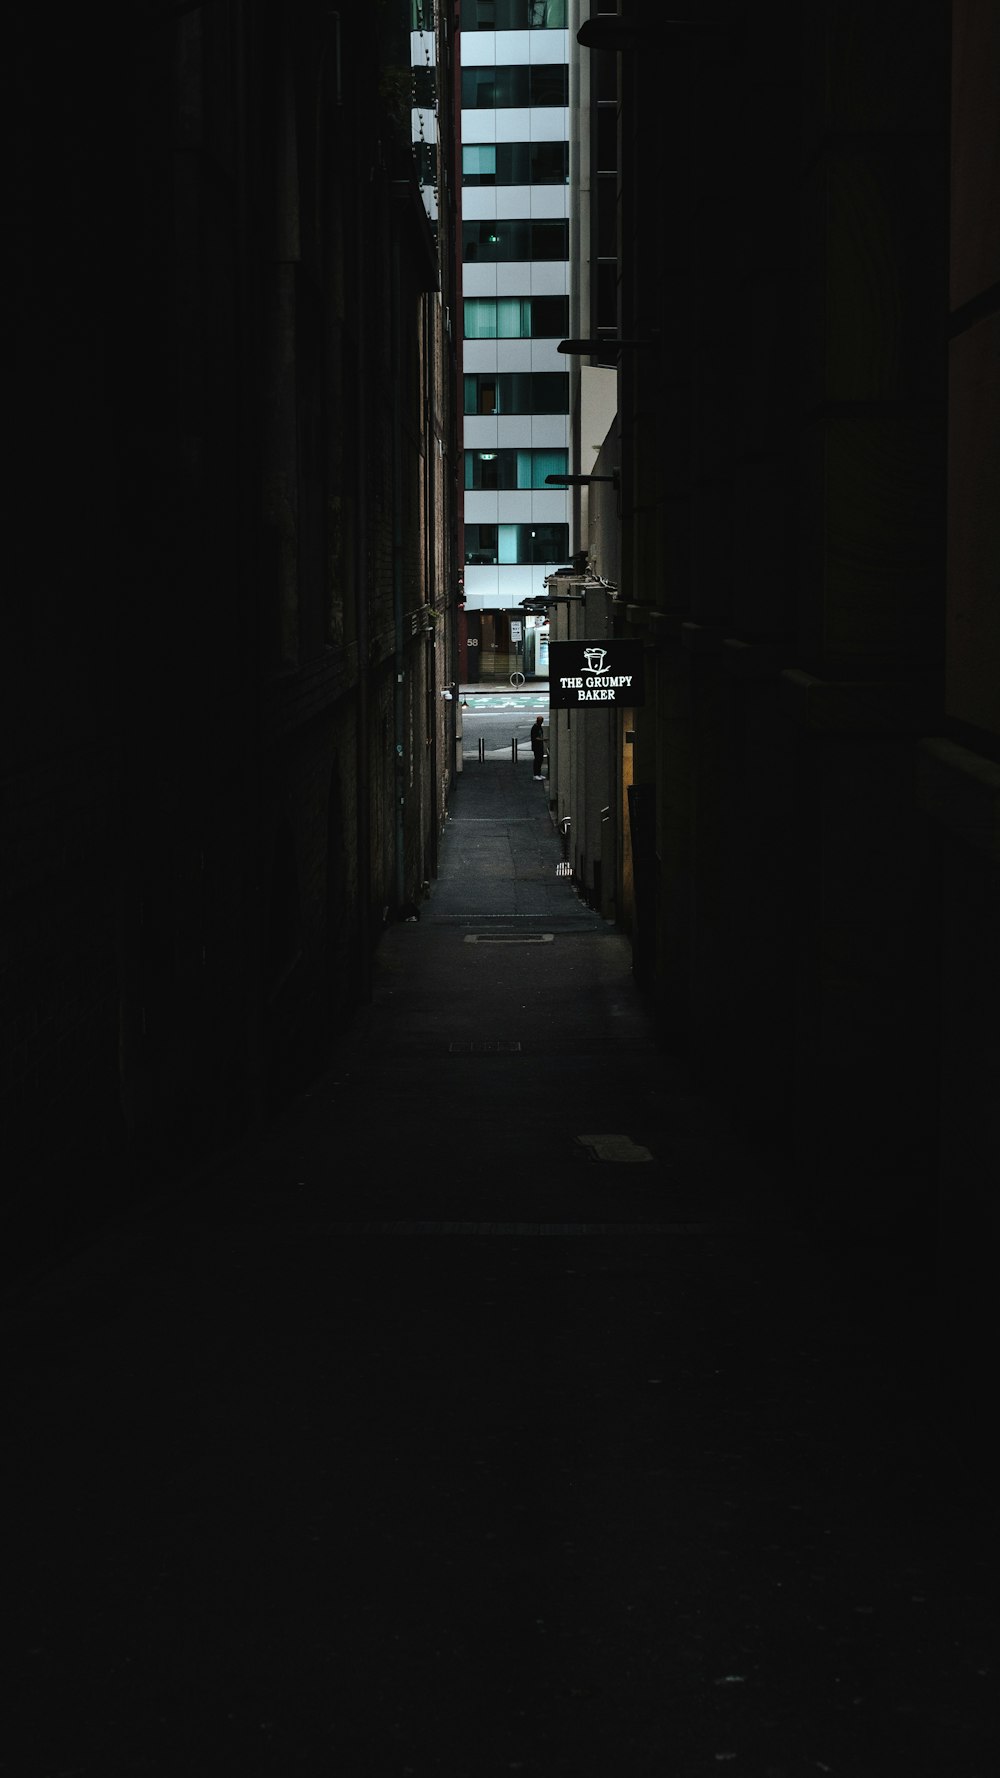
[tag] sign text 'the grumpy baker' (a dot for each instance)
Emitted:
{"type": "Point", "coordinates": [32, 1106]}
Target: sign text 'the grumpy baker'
{"type": "Point", "coordinates": [592, 675]}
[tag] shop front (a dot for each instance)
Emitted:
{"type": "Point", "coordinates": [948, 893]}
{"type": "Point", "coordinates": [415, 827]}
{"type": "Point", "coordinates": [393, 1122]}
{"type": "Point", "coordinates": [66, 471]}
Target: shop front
{"type": "Point", "coordinates": [503, 648]}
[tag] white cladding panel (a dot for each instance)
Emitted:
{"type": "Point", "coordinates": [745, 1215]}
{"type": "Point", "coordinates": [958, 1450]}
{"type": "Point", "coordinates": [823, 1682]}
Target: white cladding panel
{"type": "Point", "coordinates": [512, 278]}
{"type": "Point", "coordinates": [525, 201]}
{"type": "Point", "coordinates": [480, 355]}
{"type": "Point", "coordinates": [479, 203]}
{"type": "Point", "coordinates": [549, 431]}
{"type": "Point", "coordinates": [481, 280]}
{"type": "Point", "coordinates": [513, 431]}
{"type": "Point", "coordinates": [514, 124]}
{"type": "Point", "coordinates": [541, 123]}
{"type": "Point", "coordinates": [520, 277]}
{"type": "Point", "coordinates": [549, 46]}
{"type": "Point", "coordinates": [492, 432]}
{"type": "Point", "coordinates": [483, 203]}
{"type": "Point", "coordinates": [481, 507]}
{"type": "Point", "coordinates": [480, 433]}
{"type": "Point", "coordinates": [544, 356]}
{"type": "Point", "coordinates": [515, 506]}
{"type": "Point", "coordinates": [512, 48]}
{"type": "Point", "coordinates": [503, 588]}
{"type": "Point", "coordinates": [549, 506]}
{"type": "Point", "coordinates": [514, 355]}
{"type": "Point", "coordinates": [505, 49]}
{"type": "Point", "coordinates": [479, 126]}
{"type": "Point", "coordinates": [548, 200]}
{"type": "Point", "coordinates": [478, 49]}
{"type": "Point", "coordinates": [549, 277]}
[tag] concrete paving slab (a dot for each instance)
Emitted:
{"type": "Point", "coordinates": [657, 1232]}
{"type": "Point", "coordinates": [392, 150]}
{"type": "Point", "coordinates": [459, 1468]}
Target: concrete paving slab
{"type": "Point", "coordinates": [412, 1442]}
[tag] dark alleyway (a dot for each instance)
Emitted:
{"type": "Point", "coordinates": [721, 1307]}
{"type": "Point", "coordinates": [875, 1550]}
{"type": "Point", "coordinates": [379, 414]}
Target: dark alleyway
{"type": "Point", "coordinates": [446, 1432]}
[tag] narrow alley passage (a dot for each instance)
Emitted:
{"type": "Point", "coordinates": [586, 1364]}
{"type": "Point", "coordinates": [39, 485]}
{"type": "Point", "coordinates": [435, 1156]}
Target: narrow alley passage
{"type": "Point", "coordinates": [499, 1412]}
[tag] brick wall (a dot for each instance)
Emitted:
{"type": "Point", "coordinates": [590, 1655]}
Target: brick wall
{"type": "Point", "coordinates": [215, 507]}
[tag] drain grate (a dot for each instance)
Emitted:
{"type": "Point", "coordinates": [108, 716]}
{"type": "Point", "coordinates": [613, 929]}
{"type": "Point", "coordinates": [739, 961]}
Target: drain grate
{"type": "Point", "coordinates": [508, 938]}
{"type": "Point", "coordinates": [614, 1148]}
{"type": "Point", "coordinates": [726, 1226]}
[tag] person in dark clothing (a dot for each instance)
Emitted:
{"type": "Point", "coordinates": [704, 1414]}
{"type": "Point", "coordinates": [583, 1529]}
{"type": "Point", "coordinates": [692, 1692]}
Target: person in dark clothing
{"type": "Point", "coordinates": [537, 746]}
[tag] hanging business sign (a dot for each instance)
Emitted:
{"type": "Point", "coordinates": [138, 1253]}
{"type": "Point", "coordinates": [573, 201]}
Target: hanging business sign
{"type": "Point", "coordinates": [592, 675]}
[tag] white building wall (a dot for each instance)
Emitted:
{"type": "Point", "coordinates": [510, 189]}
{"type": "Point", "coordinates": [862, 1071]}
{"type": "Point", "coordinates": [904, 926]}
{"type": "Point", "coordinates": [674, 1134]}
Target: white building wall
{"type": "Point", "coordinates": [548, 277]}
{"type": "Point", "coordinates": [548, 431]}
{"type": "Point", "coordinates": [490, 589]}
{"type": "Point", "coordinates": [505, 49]}
{"type": "Point", "coordinates": [541, 277]}
{"type": "Point", "coordinates": [516, 506]}
{"type": "Point", "coordinates": [540, 123]}
{"type": "Point", "coordinates": [522, 200]}
{"type": "Point", "coordinates": [515, 123]}
{"type": "Point", "coordinates": [548, 200]}
{"type": "Point", "coordinates": [486, 203]}
{"type": "Point", "coordinates": [482, 432]}
{"type": "Point", "coordinates": [541, 432]}
{"type": "Point", "coordinates": [514, 354]}
{"type": "Point", "coordinates": [477, 126]}
{"type": "Point", "coordinates": [545, 355]}
{"type": "Point", "coordinates": [478, 49]}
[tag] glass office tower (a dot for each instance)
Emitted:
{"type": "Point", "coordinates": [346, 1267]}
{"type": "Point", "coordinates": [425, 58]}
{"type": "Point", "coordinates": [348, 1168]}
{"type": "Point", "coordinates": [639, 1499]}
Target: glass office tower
{"type": "Point", "coordinates": [514, 245]}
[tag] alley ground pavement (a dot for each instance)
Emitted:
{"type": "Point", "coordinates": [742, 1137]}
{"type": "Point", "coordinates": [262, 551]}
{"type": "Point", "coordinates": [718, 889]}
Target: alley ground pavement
{"type": "Point", "coordinates": [497, 1411]}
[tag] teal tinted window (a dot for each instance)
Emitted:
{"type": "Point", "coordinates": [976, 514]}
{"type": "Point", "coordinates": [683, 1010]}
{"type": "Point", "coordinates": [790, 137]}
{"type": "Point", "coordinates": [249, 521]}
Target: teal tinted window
{"type": "Point", "coordinates": [516, 317]}
{"type": "Point", "coordinates": [515, 163]}
{"type": "Point", "coordinates": [489, 243]}
{"type": "Point", "coordinates": [501, 470]}
{"type": "Point", "coordinates": [522, 545]}
{"type": "Point", "coordinates": [490, 89]}
{"type": "Point", "coordinates": [517, 392]}
{"type": "Point", "coordinates": [509, 15]}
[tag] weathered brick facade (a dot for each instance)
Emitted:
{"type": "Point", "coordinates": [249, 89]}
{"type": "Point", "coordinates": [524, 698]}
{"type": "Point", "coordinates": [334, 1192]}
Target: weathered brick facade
{"type": "Point", "coordinates": [809, 452]}
{"type": "Point", "coordinates": [231, 373]}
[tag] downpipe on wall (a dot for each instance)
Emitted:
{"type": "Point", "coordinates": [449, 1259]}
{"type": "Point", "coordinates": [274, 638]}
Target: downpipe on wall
{"type": "Point", "coordinates": [361, 556]}
{"type": "Point", "coordinates": [399, 763]}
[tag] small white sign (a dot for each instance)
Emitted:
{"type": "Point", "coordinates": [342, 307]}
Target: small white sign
{"type": "Point", "coordinates": [515, 629]}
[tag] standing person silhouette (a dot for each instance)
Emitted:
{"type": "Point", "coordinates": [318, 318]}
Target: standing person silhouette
{"type": "Point", "coordinates": [537, 747]}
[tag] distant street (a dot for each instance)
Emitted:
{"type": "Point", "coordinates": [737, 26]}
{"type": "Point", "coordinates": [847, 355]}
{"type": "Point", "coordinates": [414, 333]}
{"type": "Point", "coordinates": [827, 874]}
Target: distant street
{"type": "Point", "coordinates": [498, 719]}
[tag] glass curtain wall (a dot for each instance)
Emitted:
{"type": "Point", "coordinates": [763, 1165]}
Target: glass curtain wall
{"type": "Point", "coordinates": [516, 317]}
{"type": "Point", "coordinates": [513, 15]}
{"type": "Point", "coordinates": [513, 469]}
{"type": "Point", "coordinates": [517, 392]}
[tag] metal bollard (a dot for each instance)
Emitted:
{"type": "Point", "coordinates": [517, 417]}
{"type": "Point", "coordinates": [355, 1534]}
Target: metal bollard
{"type": "Point", "coordinates": [482, 750]}
{"type": "Point", "coordinates": [513, 749]}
